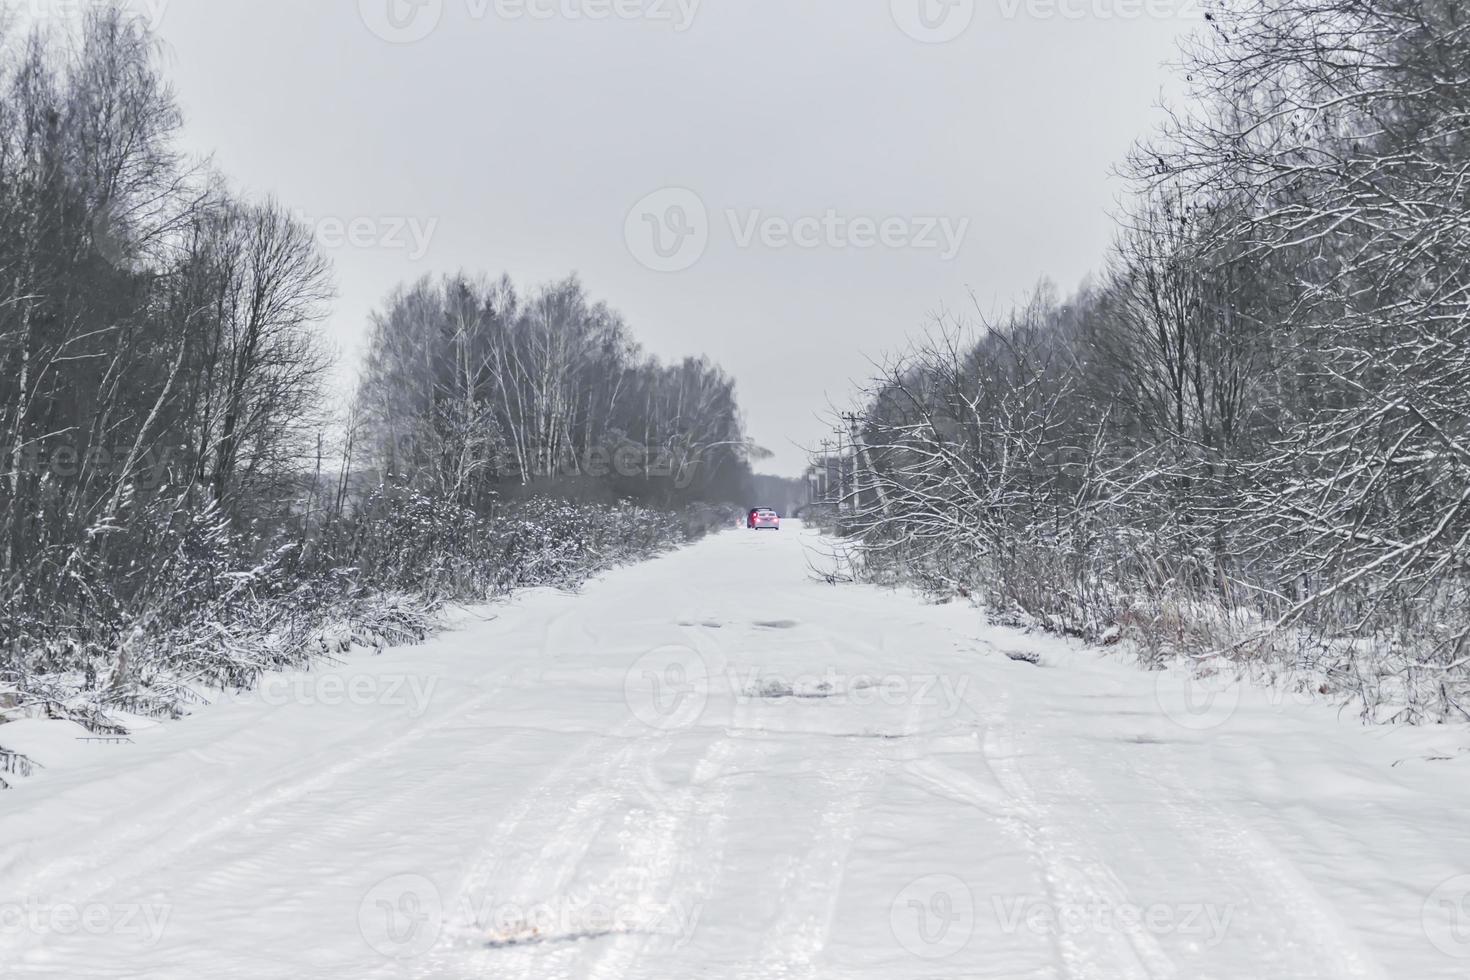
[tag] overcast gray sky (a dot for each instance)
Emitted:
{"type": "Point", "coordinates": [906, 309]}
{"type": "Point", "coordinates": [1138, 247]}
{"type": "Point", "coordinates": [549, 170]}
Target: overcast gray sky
{"type": "Point", "coordinates": [837, 172]}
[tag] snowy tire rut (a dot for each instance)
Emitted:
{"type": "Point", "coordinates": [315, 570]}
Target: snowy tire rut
{"type": "Point", "coordinates": [714, 765]}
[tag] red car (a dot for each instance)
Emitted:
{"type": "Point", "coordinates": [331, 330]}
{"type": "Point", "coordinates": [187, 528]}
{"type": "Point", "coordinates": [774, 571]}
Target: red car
{"type": "Point", "coordinates": [760, 517]}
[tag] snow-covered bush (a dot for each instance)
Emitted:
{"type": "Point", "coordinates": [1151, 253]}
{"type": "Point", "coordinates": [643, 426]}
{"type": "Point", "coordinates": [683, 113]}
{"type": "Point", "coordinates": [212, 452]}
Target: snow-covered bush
{"type": "Point", "coordinates": [1248, 441]}
{"type": "Point", "coordinates": [214, 617]}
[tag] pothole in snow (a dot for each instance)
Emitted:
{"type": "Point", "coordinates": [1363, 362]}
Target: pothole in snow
{"type": "Point", "coordinates": [775, 689]}
{"type": "Point", "coordinates": [536, 937]}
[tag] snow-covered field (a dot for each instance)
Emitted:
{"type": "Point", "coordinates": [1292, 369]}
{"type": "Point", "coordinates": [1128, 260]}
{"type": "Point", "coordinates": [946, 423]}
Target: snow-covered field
{"type": "Point", "coordinates": [712, 766]}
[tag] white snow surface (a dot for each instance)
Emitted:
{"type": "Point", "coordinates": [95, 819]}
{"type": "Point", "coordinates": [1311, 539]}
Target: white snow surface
{"type": "Point", "coordinates": [714, 765]}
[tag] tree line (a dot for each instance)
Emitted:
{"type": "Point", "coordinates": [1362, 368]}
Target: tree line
{"type": "Point", "coordinates": [473, 390]}
{"type": "Point", "coordinates": [178, 500]}
{"type": "Point", "coordinates": [1250, 436]}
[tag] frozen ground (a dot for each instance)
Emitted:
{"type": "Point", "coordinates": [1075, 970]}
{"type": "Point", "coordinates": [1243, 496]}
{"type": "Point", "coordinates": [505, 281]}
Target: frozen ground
{"type": "Point", "coordinates": [711, 766]}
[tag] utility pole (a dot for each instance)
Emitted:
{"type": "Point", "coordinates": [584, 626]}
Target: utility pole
{"type": "Point", "coordinates": [841, 477]}
{"type": "Point", "coordinates": [863, 460]}
{"type": "Point", "coordinates": [824, 476]}
{"type": "Point", "coordinates": [857, 479]}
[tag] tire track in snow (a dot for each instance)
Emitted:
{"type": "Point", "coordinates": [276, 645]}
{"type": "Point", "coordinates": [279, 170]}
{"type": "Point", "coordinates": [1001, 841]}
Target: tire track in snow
{"type": "Point", "coordinates": [1184, 830]}
{"type": "Point", "coordinates": [622, 779]}
{"type": "Point", "coordinates": [674, 852]}
{"type": "Point", "coordinates": [273, 867]}
{"type": "Point", "coordinates": [465, 934]}
{"type": "Point", "coordinates": [659, 846]}
{"type": "Point", "coordinates": [660, 873]}
{"type": "Point", "coordinates": [129, 854]}
{"type": "Point", "coordinates": [338, 813]}
{"type": "Point", "coordinates": [1306, 931]}
{"type": "Point", "coordinates": [807, 898]}
{"type": "Point", "coordinates": [1075, 876]}
{"type": "Point", "coordinates": [537, 873]}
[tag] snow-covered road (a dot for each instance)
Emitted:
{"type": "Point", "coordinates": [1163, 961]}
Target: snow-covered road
{"type": "Point", "coordinates": [715, 766]}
